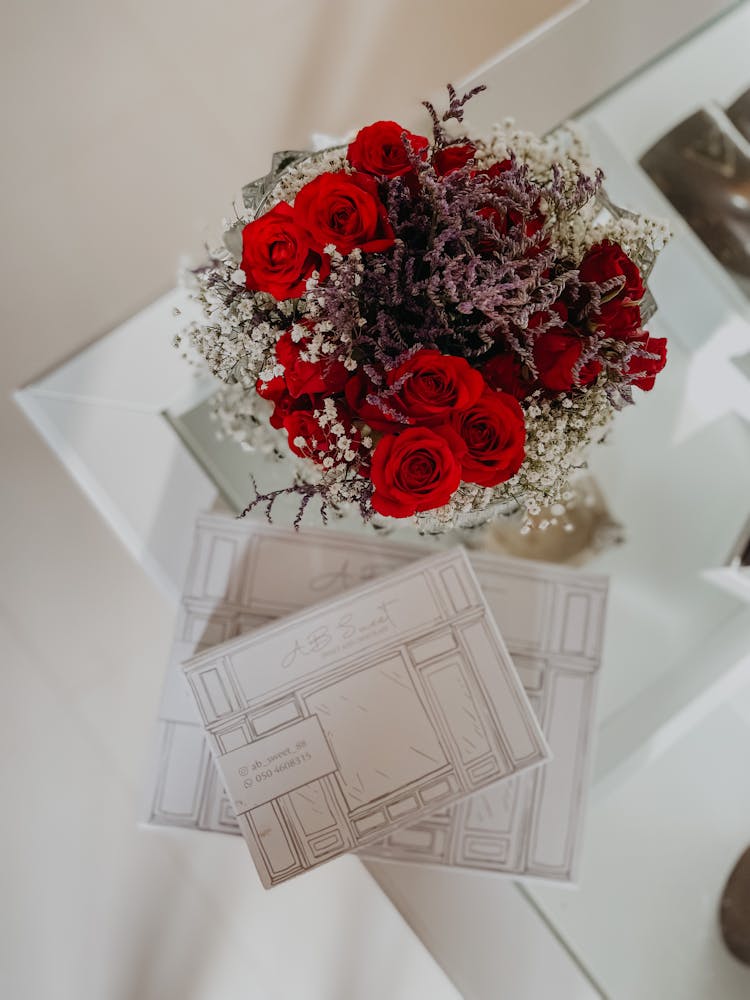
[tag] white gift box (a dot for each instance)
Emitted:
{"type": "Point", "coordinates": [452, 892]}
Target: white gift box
{"type": "Point", "coordinates": [243, 574]}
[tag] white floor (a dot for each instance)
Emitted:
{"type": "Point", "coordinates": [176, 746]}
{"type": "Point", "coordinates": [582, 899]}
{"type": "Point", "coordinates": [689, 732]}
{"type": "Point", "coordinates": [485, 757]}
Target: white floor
{"type": "Point", "coordinates": [126, 128]}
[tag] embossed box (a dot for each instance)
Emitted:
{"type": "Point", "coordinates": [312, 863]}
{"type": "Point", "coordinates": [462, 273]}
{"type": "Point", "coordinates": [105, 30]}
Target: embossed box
{"type": "Point", "coordinates": [337, 725]}
{"type": "Point", "coordinates": [552, 622]}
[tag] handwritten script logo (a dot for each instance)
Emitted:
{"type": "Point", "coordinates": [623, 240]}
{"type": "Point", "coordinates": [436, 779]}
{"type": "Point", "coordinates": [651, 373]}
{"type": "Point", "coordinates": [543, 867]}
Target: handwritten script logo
{"type": "Point", "coordinates": [345, 576]}
{"type": "Point", "coordinates": [347, 632]}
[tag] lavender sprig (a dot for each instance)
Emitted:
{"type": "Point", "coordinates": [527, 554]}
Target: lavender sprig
{"type": "Point", "coordinates": [454, 112]}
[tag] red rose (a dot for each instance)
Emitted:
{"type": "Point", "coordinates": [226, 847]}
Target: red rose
{"type": "Point", "coordinates": [451, 158]}
{"type": "Point", "coordinates": [356, 391]}
{"type": "Point", "coordinates": [434, 385]}
{"type": "Point", "coordinates": [618, 319]}
{"type": "Point", "coordinates": [379, 149]}
{"type": "Point", "coordinates": [494, 432]}
{"type": "Point", "coordinates": [278, 255]}
{"type": "Point", "coordinates": [645, 370]}
{"type": "Point", "coordinates": [272, 390]}
{"type": "Point", "coordinates": [302, 377]}
{"type": "Point", "coordinates": [556, 356]}
{"type": "Point", "coordinates": [306, 437]}
{"type": "Point", "coordinates": [416, 470]}
{"type": "Point", "coordinates": [505, 372]}
{"type": "Point", "coordinates": [498, 169]}
{"type": "Point", "coordinates": [543, 316]}
{"type": "Point", "coordinates": [608, 260]}
{"type": "Point", "coordinates": [513, 220]}
{"type": "Point", "coordinates": [344, 209]}
{"type": "Point", "coordinates": [488, 242]}
{"type": "Point", "coordinates": [309, 440]}
{"type": "Point", "coordinates": [286, 404]}
{"type": "Point", "coordinates": [511, 223]}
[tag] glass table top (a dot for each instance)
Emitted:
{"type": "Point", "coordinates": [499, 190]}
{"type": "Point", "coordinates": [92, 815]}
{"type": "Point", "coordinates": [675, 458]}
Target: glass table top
{"type": "Point", "coordinates": [671, 808]}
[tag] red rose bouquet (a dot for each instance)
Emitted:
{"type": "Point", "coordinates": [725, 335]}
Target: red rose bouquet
{"type": "Point", "coordinates": [432, 328]}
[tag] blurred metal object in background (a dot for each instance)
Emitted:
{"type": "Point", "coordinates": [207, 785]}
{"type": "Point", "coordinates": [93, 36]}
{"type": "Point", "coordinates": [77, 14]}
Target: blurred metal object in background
{"type": "Point", "coordinates": [739, 114]}
{"type": "Point", "coordinates": [703, 167]}
{"type": "Point", "coordinates": [734, 911]}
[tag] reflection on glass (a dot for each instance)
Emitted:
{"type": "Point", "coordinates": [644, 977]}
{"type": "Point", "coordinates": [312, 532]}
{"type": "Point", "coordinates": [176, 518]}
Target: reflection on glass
{"type": "Point", "coordinates": [703, 167]}
{"type": "Point", "coordinates": [389, 741]}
